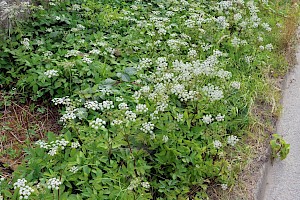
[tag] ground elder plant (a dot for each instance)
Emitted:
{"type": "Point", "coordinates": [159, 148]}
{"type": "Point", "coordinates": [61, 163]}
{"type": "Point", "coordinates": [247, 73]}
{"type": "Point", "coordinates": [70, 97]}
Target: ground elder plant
{"type": "Point", "coordinates": [154, 95]}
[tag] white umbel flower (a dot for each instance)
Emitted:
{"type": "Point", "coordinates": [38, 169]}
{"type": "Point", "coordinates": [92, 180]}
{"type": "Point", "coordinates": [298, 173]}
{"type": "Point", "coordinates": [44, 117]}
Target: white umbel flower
{"type": "Point", "coordinates": [97, 123]}
{"type": "Point", "coordinates": [269, 47]}
{"type": "Point", "coordinates": [74, 169]}
{"type": "Point", "coordinates": [145, 185]}
{"type": "Point", "coordinates": [224, 186]}
{"type": "Point", "coordinates": [207, 119]}
{"type": "Point", "coordinates": [116, 122]}
{"type": "Point", "coordinates": [20, 183]}
{"type": "Point", "coordinates": [232, 140]}
{"type": "Point", "coordinates": [123, 106]}
{"type": "Point", "coordinates": [217, 144]}
{"type": "Point", "coordinates": [220, 117]}
{"type": "Point", "coordinates": [147, 127]}
{"type": "Point", "coordinates": [94, 105]}
{"type": "Point", "coordinates": [25, 192]}
{"type": "Point", "coordinates": [51, 73]}
{"type": "Point", "coordinates": [165, 139]}
{"type": "Point", "coordinates": [141, 108]}
{"type": "Point", "coordinates": [235, 85]}
{"type": "Point", "coordinates": [75, 145]}
{"type": "Point", "coordinates": [129, 115]}
{"type": "Point", "coordinates": [106, 105]}
{"type": "Point", "coordinates": [53, 183]}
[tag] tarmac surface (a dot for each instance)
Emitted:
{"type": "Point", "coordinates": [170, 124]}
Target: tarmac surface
{"type": "Point", "coordinates": [283, 179]}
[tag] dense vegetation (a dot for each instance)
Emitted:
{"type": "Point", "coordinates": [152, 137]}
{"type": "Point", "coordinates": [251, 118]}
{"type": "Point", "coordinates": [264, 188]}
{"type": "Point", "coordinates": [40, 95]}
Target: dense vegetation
{"type": "Point", "coordinates": [154, 95]}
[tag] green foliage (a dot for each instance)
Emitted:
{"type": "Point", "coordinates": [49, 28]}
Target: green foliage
{"type": "Point", "coordinates": [153, 103]}
{"type": "Point", "coordinates": [279, 148]}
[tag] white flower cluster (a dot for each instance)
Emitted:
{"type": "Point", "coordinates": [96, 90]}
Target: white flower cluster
{"type": "Point", "coordinates": [249, 59]}
{"type": "Point", "coordinates": [162, 63]}
{"type": "Point", "coordinates": [106, 91]}
{"type": "Point", "coordinates": [97, 123]}
{"type": "Point", "coordinates": [106, 105]}
{"type": "Point", "coordinates": [222, 22]}
{"type": "Point", "coordinates": [217, 144]}
{"type": "Point", "coordinates": [49, 30]}
{"type": "Point", "coordinates": [144, 63]}
{"type": "Point", "coordinates": [123, 106]}
{"type": "Point", "coordinates": [236, 42]}
{"type": "Point", "coordinates": [266, 26]}
{"type": "Point", "coordinates": [119, 99]}
{"type": "Point", "coordinates": [147, 127]}
{"type": "Point", "coordinates": [179, 117]}
{"type": "Point", "coordinates": [53, 183]}
{"type": "Point", "coordinates": [207, 119]}
{"type": "Point", "coordinates": [223, 74]}
{"type": "Point", "coordinates": [87, 60]}
{"type": "Point", "coordinates": [74, 169]}
{"type": "Point", "coordinates": [235, 85]}
{"type": "Point", "coordinates": [24, 190]}
{"type": "Point", "coordinates": [165, 139]}
{"type": "Point", "coordinates": [80, 27]}
{"type": "Point", "coordinates": [213, 92]}
{"type": "Point", "coordinates": [141, 108]}
{"type": "Point", "coordinates": [20, 183]}
{"type": "Point", "coordinates": [71, 53]}
{"type": "Point", "coordinates": [237, 17]}
{"type": "Point", "coordinates": [116, 122]}
{"type": "Point", "coordinates": [53, 146]}
{"type": "Point", "coordinates": [134, 184]}
{"type": "Point", "coordinates": [51, 73]}
{"type": "Point", "coordinates": [63, 100]}
{"type": "Point", "coordinates": [95, 51]}
{"type": "Point", "coordinates": [129, 115]}
{"type": "Point", "coordinates": [269, 47]}
{"type": "Point", "coordinates": [220, 117]}
{"type": "Point", "coordinates": [76, 7]}
{"type": "Point", "coordinates": [192, 53]}
{"type": "Point", "coordinates": [232, 140]}
{"type": "Point", "coordinates": [75, 145]}
{"type": "Point", "coordinates": [42, 144]}
{"type": "Point", "coordinates": [145, 185]}
{"type": "Point", "coordinates": [175, 44]}
{"type": "Point", "coordinates": [48, 54]}
{"type": "Point", "coordinates": [25, 42]}
{"type": "Point", "coordinates": [93, 105]}
{"type": "Point", "coordinates": [224, 186]}
{"type": "Point", "coordinates": [69, 115]}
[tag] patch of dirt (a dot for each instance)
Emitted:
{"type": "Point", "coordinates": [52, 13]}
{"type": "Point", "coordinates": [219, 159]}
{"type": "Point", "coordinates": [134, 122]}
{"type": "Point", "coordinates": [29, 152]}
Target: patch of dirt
{"type": "Point", "coordinates": [21, 124]}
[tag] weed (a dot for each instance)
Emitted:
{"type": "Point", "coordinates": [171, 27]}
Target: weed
{"type": "Point", "coordinates": [155, 96]}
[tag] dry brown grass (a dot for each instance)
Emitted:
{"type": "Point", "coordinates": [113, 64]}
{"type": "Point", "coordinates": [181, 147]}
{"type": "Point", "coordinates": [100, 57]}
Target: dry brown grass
{"type": "Point", "coordinates": [20, 126]}
{"type": "Point", "coordinates": [287, 38]}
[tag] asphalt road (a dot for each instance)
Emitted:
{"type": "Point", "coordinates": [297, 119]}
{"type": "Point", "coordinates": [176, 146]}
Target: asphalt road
{"type": "Point", "coordinates": [283, 180]}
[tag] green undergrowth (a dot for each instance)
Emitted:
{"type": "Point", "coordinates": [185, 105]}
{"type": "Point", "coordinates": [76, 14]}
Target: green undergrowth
{"type": "Point", "coordinates": [155, 96]}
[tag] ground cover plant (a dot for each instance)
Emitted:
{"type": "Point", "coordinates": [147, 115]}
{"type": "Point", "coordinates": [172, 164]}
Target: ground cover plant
{"type": "Point", "coordinates": [154, 95]}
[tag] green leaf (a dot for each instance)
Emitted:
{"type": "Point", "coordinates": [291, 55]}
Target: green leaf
{"type": "Point", "coordinates": [124, 77]}
{"type": "Point", "coordinates": [130, 70]}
